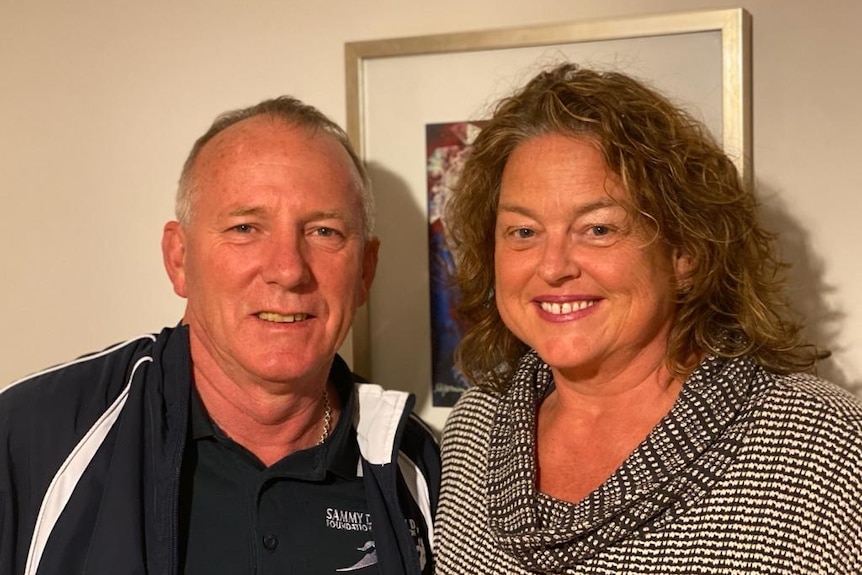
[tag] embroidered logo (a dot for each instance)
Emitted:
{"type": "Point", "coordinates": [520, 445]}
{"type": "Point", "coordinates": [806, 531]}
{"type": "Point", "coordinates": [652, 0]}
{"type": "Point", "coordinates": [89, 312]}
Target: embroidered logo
{"type": "Point", "coordinates": [348, 520]}
{"type": "Point", "coordinates": [344, 520]}
{"type": "Point", "coordinates": [370, 558]}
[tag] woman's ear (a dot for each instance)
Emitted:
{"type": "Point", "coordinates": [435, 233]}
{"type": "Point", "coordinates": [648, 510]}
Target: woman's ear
{"type": "Point", "coordinates": [683, 265]}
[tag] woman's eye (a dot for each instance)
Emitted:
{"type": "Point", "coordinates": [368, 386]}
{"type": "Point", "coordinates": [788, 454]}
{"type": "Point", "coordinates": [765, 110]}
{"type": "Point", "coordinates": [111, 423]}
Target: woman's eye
{"type": "Point", "coordinates": [524, 233]}
{"type": "Point", "coordinates": [600, 230]}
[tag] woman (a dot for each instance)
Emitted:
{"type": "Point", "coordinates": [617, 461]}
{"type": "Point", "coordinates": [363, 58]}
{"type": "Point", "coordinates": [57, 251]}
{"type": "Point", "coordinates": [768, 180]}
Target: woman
{"type": "Point", "coordinates": [638, 404]}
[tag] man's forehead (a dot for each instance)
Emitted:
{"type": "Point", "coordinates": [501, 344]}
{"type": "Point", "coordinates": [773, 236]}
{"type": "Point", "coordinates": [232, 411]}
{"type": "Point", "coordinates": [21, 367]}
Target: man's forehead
{"type": "Point", "coordinates": [254, 149]}
{"type": "Point", "coordinates": [263, 139]}
{"type": "Point", "coordinates": [265, 132]}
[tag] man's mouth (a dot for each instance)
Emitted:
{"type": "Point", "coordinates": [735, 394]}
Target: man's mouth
{"type": "Point", "coordinates": [279, 318]}
{"type": "Point", "coordinates": [566, 307]}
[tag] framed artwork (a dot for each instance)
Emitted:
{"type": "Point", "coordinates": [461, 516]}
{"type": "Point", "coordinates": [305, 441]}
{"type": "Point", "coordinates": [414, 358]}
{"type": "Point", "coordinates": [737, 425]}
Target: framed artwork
{"type": "Point", "coordinates": [447, 147]}
{"type": "Point", "coordinates": [413, 105]}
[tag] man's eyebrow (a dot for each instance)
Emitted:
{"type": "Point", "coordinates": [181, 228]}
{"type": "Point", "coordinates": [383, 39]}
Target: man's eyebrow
{"type": "Point", "coordinates": [245, 211]}
{"type": "Point", "coordinates": [328, 215]}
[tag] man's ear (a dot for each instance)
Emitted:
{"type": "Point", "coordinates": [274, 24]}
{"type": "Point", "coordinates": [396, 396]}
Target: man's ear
{"type": "Point", "coordinates": [369, 268]}
{"type": "Point", "coordinates": [174, 255]}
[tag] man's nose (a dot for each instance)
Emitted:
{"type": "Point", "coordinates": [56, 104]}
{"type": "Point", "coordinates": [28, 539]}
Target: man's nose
{"type": "Point", "coordinates": [286, 262]}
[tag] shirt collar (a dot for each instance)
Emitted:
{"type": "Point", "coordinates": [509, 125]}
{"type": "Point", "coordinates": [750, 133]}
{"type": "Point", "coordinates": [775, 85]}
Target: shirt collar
{"type": "Point", "coordinates": [339, 453]}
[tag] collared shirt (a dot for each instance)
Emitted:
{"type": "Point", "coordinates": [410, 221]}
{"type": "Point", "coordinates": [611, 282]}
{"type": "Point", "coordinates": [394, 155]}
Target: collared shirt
{"type": "Point", "coordinates": [306, 513]}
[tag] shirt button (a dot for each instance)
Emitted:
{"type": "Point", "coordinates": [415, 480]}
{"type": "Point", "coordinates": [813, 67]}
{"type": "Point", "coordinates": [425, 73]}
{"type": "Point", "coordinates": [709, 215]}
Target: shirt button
{"type": "Point", "coordinates": [270, 542]}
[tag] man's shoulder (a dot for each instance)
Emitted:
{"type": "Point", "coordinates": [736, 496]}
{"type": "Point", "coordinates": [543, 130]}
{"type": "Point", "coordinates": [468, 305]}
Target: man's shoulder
{"type": "Point", "coordinates": [80, 375]}
{"type": "Point", "coordinates": [45, 415]}
{"type": "Point", "coordinates": [91, 381]}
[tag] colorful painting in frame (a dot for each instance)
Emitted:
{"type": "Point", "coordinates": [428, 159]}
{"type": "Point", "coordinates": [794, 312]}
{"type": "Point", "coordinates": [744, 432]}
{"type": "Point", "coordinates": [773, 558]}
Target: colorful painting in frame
{"type": "Point", "coordinates": [447, 148]}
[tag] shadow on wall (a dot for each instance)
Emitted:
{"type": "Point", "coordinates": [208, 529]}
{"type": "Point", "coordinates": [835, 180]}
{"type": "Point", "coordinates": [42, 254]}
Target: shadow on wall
{"type": "Point", "coordinates": [399, 302]}
{"type": "Point", "coordinates": [806, 288]}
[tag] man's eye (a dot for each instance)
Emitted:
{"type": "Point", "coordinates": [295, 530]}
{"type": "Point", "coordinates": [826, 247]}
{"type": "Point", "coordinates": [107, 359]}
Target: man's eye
{"type": "Point", "coordinates": [243, 228]}
{"type": "Point", "coordinates": [325, 232]}
{"type": "Point", "coordinates": [600, 230]}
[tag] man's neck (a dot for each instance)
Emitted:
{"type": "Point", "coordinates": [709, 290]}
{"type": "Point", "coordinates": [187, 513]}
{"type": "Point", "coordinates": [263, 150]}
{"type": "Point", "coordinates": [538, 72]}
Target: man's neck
{"type": "Point", "coordinates": [269, 425]}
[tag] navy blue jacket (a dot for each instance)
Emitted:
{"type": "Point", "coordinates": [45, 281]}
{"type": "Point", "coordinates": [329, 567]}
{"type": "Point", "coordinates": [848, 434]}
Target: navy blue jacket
{"type": "Point", "coordinates": [90, 456]}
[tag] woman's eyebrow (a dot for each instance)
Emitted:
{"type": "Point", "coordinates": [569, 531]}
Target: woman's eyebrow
{"type": "Point", "coordinates": [580, 210]}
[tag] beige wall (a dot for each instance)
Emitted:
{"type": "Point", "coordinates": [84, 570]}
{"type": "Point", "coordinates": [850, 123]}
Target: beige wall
{"type": "Point", "coordinates": [100, 100]}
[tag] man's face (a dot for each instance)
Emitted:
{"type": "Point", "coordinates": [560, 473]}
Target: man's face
{"type": "Point", "coordinates": [274, 261]}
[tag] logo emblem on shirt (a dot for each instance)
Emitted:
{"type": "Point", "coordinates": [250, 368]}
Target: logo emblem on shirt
{"type": "Point", "coordinates": [345, 520]}
{"type": "Point", "coordinates": [370, 558]}
{"type": "Point", "coordinates": [420, 543]}
{"type": "Point", "coordinates": [348, 520]}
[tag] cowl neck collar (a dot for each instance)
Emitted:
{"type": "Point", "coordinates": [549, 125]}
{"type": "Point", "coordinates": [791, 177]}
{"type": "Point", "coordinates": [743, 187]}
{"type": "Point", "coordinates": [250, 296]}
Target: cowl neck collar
{"type": "Point", "coordinates": [672, 469]}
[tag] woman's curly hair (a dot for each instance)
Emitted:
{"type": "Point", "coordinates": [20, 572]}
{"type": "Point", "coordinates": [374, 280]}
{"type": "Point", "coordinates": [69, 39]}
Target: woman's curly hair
{"type": "Point", "coordinates": [732, 303]}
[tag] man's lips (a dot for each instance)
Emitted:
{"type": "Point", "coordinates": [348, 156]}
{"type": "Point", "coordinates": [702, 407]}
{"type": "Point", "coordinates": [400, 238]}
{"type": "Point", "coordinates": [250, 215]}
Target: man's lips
{"type": "Point", "coordinates": [282, 318]}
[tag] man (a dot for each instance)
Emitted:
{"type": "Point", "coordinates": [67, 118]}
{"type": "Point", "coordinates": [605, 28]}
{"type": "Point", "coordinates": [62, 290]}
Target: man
{"type": "Point", "coordinates": [238, 441]}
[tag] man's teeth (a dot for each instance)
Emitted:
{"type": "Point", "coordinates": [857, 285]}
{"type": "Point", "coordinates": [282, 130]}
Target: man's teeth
{"type": "Point", "coordinates": [567, 307]}
{"type": "Point", "coordinates": [278, 318]}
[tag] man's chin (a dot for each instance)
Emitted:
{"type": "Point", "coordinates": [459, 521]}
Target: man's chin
{"type": "Point", "coordinates": [293, 369]}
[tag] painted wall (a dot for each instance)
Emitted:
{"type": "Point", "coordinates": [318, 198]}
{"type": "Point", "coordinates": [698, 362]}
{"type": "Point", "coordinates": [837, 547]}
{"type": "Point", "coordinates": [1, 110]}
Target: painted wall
{"type": "Point", "coordinates": [101, 99]}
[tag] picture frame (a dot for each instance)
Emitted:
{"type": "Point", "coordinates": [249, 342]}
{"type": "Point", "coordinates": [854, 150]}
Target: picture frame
{"type": "Point", "coordinates": [396, 87]}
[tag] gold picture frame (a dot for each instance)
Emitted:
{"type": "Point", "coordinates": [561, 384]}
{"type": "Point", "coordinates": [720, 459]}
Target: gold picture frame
{"type": "Point", "coordinates": [397, 86]}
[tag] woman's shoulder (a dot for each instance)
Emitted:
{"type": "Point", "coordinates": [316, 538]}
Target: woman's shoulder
{"type": "Point", "coordinates": [469, 423]}
{"type": "Point", "coordinates": [814, 410]}
{"type": "Point", "coordinates": [475, 406]}
{"type": "Point", "coordinates": [813, 394]}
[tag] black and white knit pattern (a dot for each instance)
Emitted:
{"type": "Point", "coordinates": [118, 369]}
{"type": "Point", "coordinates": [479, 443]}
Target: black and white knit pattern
{"type": "Point", "coordinates": [749, 473]}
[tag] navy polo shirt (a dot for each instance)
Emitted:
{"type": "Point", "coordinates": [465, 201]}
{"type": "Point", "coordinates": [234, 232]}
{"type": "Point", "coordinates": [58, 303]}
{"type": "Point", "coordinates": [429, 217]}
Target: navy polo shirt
{"type": "Point", "coordinates": [307, 513]}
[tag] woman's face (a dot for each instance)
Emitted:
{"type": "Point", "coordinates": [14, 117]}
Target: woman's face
{"type": "Point", "coordinates": [577, 278]}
